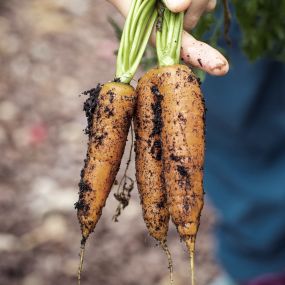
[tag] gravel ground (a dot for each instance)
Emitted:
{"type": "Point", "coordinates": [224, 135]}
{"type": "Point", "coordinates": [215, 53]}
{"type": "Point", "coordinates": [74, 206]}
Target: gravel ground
{"type": "Point", "coordinates": [50, 51]}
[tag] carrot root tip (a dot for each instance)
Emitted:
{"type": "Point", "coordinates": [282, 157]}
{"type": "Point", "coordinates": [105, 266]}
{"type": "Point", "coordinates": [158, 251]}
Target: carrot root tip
{"type": "Point", "coordinates": [80, 268]}
{"type": "Point", "coordinates": [170, 263]}
{"type": "Point", "coordinates": [191, 249]}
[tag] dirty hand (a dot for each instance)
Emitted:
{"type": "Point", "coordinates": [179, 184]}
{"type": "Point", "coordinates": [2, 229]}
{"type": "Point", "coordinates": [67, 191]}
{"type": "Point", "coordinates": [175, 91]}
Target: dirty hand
{"type": "Point", "coordinates": [194, 52]}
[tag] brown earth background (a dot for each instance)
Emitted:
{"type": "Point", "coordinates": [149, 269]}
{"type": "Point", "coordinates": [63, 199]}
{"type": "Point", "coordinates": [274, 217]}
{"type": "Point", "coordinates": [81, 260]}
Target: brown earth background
{"type": "Point", "coordinates": [51, 51]}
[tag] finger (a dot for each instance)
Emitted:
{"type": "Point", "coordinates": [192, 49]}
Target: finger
{"type": "Point", "coordinates": [177, 5]}
{"type": "Point", "coordinates": [195, 11]}
{"type": "Point", "coordinates": [203, 56]}
{"type": "Point", "coordinates": [211, 5]}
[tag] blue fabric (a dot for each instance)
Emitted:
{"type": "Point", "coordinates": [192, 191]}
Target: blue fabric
{"type": "Point", "coordinates": [245, 164]}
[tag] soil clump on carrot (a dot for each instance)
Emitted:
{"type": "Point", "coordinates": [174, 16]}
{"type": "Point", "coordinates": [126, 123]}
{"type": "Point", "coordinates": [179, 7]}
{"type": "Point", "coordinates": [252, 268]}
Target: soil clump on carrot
{"type": "Point", "coordinates": [156, 148]}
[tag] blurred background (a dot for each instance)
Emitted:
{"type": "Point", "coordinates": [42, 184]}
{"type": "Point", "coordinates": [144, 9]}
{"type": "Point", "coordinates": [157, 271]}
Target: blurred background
{"type": "Point", "coordinates": [51, 51]}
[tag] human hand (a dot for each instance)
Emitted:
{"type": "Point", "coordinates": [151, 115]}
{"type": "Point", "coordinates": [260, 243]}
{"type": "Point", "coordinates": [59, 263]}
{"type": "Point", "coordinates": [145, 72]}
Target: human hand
{"type": "Point", "coordinates": [193, 52]}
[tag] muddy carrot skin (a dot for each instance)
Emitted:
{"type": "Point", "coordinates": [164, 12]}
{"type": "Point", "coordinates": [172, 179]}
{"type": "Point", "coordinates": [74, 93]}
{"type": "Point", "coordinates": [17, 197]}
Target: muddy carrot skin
{"type": "Point", "coordinates": [109, 111]}
{"type": "Point", "coordinates": [183, 140]}
{"type": "Point", "coordinates": [183, 132]}
{"type": "Point", "coordinates": [148, 149]}
{"type": "Point", "coordinates": [183, 143]}
{"type": "Point", "coordinates": [149, 167]}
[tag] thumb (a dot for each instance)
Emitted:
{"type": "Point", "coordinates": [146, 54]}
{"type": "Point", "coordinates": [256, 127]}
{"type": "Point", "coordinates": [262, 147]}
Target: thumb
{"type": "Point", "coordinates": [177, 5]}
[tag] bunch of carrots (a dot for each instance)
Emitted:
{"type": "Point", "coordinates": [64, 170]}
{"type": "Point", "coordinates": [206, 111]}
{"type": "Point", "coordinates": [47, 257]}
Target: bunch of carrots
{"type": "Point", "coordinates": [168, 111]}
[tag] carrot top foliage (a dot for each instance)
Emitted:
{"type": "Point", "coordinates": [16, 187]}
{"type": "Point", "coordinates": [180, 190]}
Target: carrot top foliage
{"type": "Point", "coordinates": [135, 36]}
{"type": "Point", "coordinates": [168, 38]}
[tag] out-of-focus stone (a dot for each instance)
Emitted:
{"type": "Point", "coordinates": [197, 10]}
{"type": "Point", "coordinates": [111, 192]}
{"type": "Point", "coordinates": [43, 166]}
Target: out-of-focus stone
{"type": "Point", "coordinates": [8, 242]}
{"type": "Point", "coordinates": [3, 89]}
{"type": "Point", "coordinates": [20, 66]}
{"type": "Point", "coordinates": [70, 267]}
{"type": "Point", "coordinates": [46, 18]}
{"type": "Point", "coordinates": [53, 229]}
{"type": "Point", "coordinates": [47, 196]}
{"type": "Point", "coordinates": [68, 86]}
{"type": "Point", "coordinates": [41, 50]}
{"type": "Point", "coordinates": [21, 137]}
{"type": "Point", "coordinates": [51, 264]}
{"type": "Point", "coordinates": [8, 111]}
{"type": "Point", "coordinates": [10, 45]}
{"type": "Point", "coordinates": [44, 185]}
{"type": "Point", "coordinates": [41, 74]}
{"type": "Point", "coordinates": [3, 135]}
{"type": "Point", "coordinates": [76, 7]}
{"type": "Point", "coordinates": [33, 280]}
{"type": "Point", "coordinates": [71, 132]}
{"type": "Point", "coordinates": [4, 25]}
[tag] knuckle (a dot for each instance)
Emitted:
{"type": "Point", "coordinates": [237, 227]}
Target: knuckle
{"type": "Point", "coordinates": [191, 22]}
{"type": "Point", "coordinates": [211, 5]}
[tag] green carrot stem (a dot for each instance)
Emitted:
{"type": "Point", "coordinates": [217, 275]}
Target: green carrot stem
{"type": "Point", "coordinates": [178, 30]}
{"type": "Point", "coordinates": [124, 38]}
{"type": "Point", "coordinates": [142, 24]}
{"type": "Point", "coordinates": [140, 8]}
{"type": "Point", "coordinates": [144, 42]}
{"type": "Point", "coordinates": [168, 41]}
{"type": "Point", "coordinates": [171, 27]}
{"type": "Point", "coordinates": [136, 33]}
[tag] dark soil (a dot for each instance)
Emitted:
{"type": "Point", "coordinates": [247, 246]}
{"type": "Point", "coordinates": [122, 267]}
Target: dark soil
{"type": "Point", "coordinates": [156, 148]}
{"type": "Point", "coordinates": [90, 105]}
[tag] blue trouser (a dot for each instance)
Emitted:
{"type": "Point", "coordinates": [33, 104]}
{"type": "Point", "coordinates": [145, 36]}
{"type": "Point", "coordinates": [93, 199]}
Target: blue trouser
{"type": "Point", "coordinates": [245, 165]}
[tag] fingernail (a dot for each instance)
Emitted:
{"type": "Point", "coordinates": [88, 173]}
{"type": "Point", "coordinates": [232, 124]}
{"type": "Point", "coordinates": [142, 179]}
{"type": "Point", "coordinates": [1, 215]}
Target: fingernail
{"type": "Point", "coordinates": [220, 67]}
{"type": "Point", "coordinates": [177, 5]}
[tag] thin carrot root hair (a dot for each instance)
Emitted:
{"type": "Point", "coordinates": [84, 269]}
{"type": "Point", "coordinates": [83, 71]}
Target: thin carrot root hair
{"type": "Point", "coordinates": [170, 263]}
{"type": "Point", "coordinates": [190, 243]}
{"type": "Point", "coordinates": [126, 184]}
{"type": "Point", "coordinates": [80, 267]}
